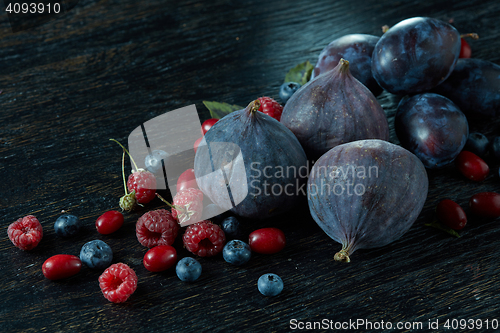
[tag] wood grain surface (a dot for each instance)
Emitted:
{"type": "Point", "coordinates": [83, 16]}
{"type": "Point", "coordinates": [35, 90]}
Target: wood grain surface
{"type": "Point", "coordinates": [106, 66]}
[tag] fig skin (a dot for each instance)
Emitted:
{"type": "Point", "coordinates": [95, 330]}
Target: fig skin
{"type": "Point", "coordinates": [333, 109]}
{"type": "Point", "coordinates": [395, 190]}
{"type": "Point", "coordinates": [263, 142]}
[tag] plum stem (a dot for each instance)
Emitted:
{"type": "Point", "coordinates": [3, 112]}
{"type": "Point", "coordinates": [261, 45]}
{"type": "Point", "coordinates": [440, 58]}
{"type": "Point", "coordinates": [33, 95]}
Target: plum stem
{"type": "Point", "coordinates": [472, 35]}
{"type": "Point", "coordinates": [342, 256]}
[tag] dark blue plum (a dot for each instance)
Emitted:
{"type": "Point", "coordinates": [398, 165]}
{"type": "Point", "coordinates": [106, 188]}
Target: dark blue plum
{"type": "Point", "coordinates": [188, 269]}
{"type": "Point", "coordinates": [153, 161]}
{"type": "Point", "coordinates": [287, 89]}
{"type": "Point", "coordinates": [415, 55]}
{"type": "Point", "coordinates": [355, 48]}
{"type": "Point", "coordinates": [474, 86]}
{"type": "Point", "coordinates": [67, 225]}
{"type": "Point", "coordinates": [431, 127]}
{"type": "Point", "coordinates": [237, 252]}
{"type": "Point", "coordinates": [477, 143]}
{"type": "Point", "coordinates": [96, 254]}
{"type": "Point", "coordinates": [270, 284]}
{"type": "Point", "coordinates": [495, 148]}
{"type": "Point", "coordinates": [231, 227]}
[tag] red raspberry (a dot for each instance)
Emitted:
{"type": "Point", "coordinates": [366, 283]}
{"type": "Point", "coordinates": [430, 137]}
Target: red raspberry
{"type": "Point", "coordinates": [204, 239]}
{"type": "Point", "coordinates": [270, 107]}
{"type": "Point", "coordinates": [118, 282]}
{"type": "Point", "coordinates": [188, 206]}
{"type": "Point", "coordinates": [157, 227]}
{"type": "Point", "coordinates": [144, 184]}
{"type": "Point", "coordinates": [25, 233]}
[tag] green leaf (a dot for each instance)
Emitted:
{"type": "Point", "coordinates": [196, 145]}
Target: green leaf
{"type": "Point", "coordinates": [437, 225]}
{"type": "Point", "coordinates": [219, 110]}
{"type": "Point", "coordinates": [300, 73]}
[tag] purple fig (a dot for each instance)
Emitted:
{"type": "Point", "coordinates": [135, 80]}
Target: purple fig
{"type": "Point", "coordinates": [333, 109]}
{"type": "Point", "coordinates": [366, 194]}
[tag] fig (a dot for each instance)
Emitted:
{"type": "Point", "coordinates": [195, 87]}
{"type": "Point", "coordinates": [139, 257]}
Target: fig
{"type": "Point", "coordinates": [366, 194]}
{"type": "Point", "coordinates": [333, 109]}
{"type": "Point", "coordinates": [251, 164]}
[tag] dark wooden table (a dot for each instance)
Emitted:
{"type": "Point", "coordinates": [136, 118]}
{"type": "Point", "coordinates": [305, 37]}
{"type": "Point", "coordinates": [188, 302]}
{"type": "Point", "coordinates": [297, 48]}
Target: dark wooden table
{"type": "Point", "coordinates": [104, 67]}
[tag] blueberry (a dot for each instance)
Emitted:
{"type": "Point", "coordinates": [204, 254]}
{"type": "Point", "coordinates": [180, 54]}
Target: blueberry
{"type": "Point", "coordinates": [67, 225]}
{"type": "Point", "coordinates": [153, 160]}
{"type": "Point", "coordinates": [477, 143]}
{"type": "Point", "coordinates": [188, 269]}
{"type": "Point", "coordinates": [270, 284]}
{"type": "Point", "coordinates": [96, 254]}
{"type": "Point", "coordinates": [495, 148]}
{"type": "Point", "coordinates": [287, 89]}
{"type": "Point", "coordinates": [231, 227]}
{"type": "Point", "coordinates": [236, 252]}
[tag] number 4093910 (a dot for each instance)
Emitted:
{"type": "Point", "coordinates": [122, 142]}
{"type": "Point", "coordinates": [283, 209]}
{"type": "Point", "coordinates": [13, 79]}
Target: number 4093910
{"type": "Point", "coordinates": [33, 8]}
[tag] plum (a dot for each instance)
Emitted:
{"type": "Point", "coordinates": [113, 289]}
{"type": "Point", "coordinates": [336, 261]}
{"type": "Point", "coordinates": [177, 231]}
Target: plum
{"type": "Point", "coordinates": [474, 86]}
{"type": "Point", "coordinates": [431, 127]}
{"type": "Point", "coordinates": [355, 48]}
{"type": "Point", "coordinates": [415, 55]}
{"type": "Point", "coordinates": [366, 194]}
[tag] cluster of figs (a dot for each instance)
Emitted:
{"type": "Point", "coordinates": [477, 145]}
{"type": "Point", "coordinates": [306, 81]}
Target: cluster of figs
{"type": "Point", "coordinates": [362, 190]}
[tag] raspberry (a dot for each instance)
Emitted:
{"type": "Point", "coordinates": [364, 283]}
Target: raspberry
{"type": "Point", "coordinates": [270, 107]}
{"type": "Point", "coordinates": [188, 206]}
{"type": "Point", "coordinates": [204, 239]}
{"type": "Point", "coordinates": [157, 227]}
{"type": "Point", "coordinates": [25, 233]}
{"type": "Point", "coordinates": [118, 282]}
{"type": "Point", "coordinates": [144, 184]}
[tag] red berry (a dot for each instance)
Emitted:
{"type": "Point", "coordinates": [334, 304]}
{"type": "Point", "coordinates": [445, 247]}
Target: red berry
{"type": "Point", "coordinates": [144, 184]}
{"type": "Point", "coordinates": [109, 222]}
{"type": "Point", "coordinates": [204, 239]}
{"type": "Point", "coordinates": [451, 214]}
{"type": "Point", "coordinates": [465, 50]}
{"type": "Point", "coordinates": [25, 233]}
{"type": "Point", "coordinates": [157, 227]}
{"type": "Point", "coordinates": [197, 143]}
{"type": "Point", "coordinates": [160, 258]}
{"type": "Point", "coordinates": [472, 166]}
{"type": "Point", "coordinates": [118, 282]}
{"type": "Point", "coordinates": [188, 206]}
{"type": "Point", "coordinates": [485, 204]}
{"type": "Point", "coordinates": [270, 107]}
{"type": "Point", "coordinates": [186, 180]}
{"type": "Point", "coordinates": [267, 240]}
{"type": "Point", "coordinates": [61, 266]}
{"type": "Point", "coordinates": [207, 124]}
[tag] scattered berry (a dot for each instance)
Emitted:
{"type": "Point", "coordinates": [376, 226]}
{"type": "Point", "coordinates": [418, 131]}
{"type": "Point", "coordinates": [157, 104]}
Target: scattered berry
{"type": "Point", "coordinates": [67, 225]}
{"type": "Point", "coordinates": [270, 284]}
{"type": "Point", "coordinates": [495, 148]}
{"type": "Point", "coordinates": [485, 204]}
{"type": "Point", "coordinates": [465, 50]}
{"type": "Point", "coordinates": [287, 89]}
{"type": "Point", "coordinates": [231, 227]}
{"type": "Point", "coordinates": [153, 161]}
{"type": "Point", "coordinates": [118, 282]}
{"type": "Point", "coordinates": [197, 143]}
{"type": "Point", "coordinates": [451, 214]}
{"type": "Point", "coordinates": [109, 222]}
{"type": "Point", "coordinates": [96, 254]}
{"type": "Point", "coordinates": [61, 266]}
{"type": "Point", "coordinates": [204, 239]}
{"type": "Point", "coordinates": [237, 252]}
{"type": "Point", "coordinates": [188, 206]}
{"type": "Point", "coordinates": [160, 258]}
{"type": "Point", "coordinates": [25, 233]}
{"type": "Point", "coordinates": [143, 183]}
{"type": "Point", "coordinates": [477, 143]}
{"type": "Point", "coordinates": [267, 240]}
{"type": "Point", "coordinates": [472, 166]}
{"type": "Point", "coordinates": [186, 180]}
{"type": "Point", "coordinates": [188, 269]}
{"type": "Point", "coordinates": [207, 124]}
{"type": "Point", "coordinates": [270, 107]}
{"type": "Point", "coordinates": [157, 227]}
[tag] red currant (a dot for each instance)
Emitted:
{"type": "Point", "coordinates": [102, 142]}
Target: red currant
{"type": "Point", "coordinates": [451, 214]}
{"type": "Point", "coordinates": [186, 180]}
{"type": "Point", "coordinates": [160, 258]}
{"type": "Point", "coordinates": [465, 50]}
{"type": "Point", "coordinates": [267, 240]}
{"type": "Point", "coordinates": [472, 166]}
{"type": "Point", "coordinates": [485, 204]}
{"type": "Point", "coordinates": [109, 222]}
{"type": "Point", "coordinates": [61, 266]}
{"type": "Point", "coordinates": [197, 143]}
{"type": "Point", "coordinates": [207, 124]}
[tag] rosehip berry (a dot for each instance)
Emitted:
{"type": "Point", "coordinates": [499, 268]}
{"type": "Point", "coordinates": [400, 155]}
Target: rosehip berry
{"type": "Point", "coordinates": [485, 204]}
{"type": "Point", "coordinates": [465, 50]}
{"type": "Point", "coordinates": [25, 233]}
{"type": "Point", "coordinates": [118, 282]}
{"type": "Point", "coordinates": [186, 180]}
{"type": "Point", "coordinates": [207, 124]}
{"type": "Point", "coordinates": [109, 222]}
{"type": "Point", "coordinates": [472, 166]}
{"type": "Point", "coordinates": [267, 240]}
{"type": "Point", "coordinates": [451, 214]}
{"type": "Point", "coordinates": [61, 266]}
{"type": "Point", "coordinates": [160, 258]}
{"type": "Point", "coordinates": [196, 144]}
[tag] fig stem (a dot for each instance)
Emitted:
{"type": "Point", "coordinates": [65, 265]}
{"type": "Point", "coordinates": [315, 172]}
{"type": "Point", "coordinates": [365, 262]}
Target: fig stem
{"type": "Point", "coordinates": [472, 35]}
{"type": "Point", "coordinates": [342, 256]}
{"type": "Point", "coordinates": [385, 28]}
{"type": "Point", "coordinates": [344, 66]}
{"type": "Point", "coordinates": [254, 106]}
